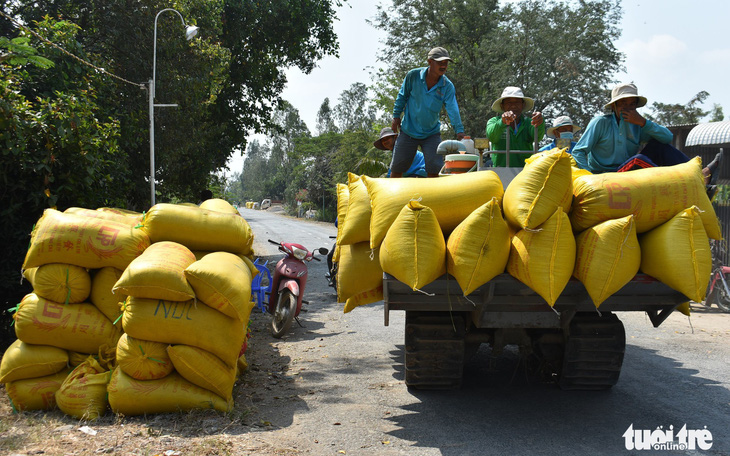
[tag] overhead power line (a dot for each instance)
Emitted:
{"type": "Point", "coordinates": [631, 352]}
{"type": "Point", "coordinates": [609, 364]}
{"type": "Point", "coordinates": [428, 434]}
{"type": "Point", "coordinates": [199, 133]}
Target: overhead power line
{"type": "Point", "coordinates": [89, 64]}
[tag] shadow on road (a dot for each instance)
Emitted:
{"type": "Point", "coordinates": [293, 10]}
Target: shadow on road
{"type": "Point", "coordinates": [500, 411]}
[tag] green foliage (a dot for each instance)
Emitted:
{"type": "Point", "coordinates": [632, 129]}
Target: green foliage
{"type": "Point", "coordinates": [57, 150]}
{"type": "Point", "coordinates": [677, 114]}
{"type": "Point", "coordinates": [560, 53]}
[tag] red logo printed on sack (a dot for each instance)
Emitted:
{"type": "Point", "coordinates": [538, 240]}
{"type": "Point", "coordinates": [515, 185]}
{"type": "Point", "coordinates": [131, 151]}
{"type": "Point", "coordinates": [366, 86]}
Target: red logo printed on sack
{"type": "Point", "coordinates": [108, 238]}
{"type": "Point", "coordinates": [619, 197]}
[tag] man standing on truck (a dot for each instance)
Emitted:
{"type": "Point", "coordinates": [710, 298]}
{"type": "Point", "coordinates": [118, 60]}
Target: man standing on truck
{"type": "Point", "coordinates": [514, 122]}
{"type": "Point", "coordinates": [422, 95]}
{"type": "Point", "coordinates": [624, 140]}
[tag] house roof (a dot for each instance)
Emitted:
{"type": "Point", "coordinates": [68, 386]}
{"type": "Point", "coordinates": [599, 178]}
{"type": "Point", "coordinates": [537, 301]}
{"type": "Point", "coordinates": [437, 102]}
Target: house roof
{"type": "Point", "coordinates": [714, 134]}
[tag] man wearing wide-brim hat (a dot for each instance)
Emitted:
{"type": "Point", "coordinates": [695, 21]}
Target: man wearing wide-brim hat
{"type": "Point", "coordinates": [624, 140]}
{"type": "Point", "coordinates": [513, 121]}
{"type": "Point", "coordinates": [424, 92]}
{"type": "Point", "coordinates": [386, 141]}
{"type": "Point", "coordinates": [562, 132]}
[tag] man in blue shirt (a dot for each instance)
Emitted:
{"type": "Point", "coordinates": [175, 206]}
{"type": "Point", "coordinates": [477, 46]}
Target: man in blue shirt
{"type": "Point", "coordinates": [387, 141]}
{"type": "Point", "coordinates": [422, 95]}
{"type": "Point", "coordinates": [562, 133]}
{"type": "Point", "coordinates": [625, 140]}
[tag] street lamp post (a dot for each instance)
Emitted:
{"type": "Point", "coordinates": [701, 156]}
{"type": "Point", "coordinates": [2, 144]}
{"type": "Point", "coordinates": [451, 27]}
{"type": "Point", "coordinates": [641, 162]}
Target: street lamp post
{"type": "Point", "coordinates": [190, 32]}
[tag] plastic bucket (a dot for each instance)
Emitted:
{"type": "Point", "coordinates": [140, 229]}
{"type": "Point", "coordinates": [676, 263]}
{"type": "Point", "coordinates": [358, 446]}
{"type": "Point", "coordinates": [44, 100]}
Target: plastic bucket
{"type": "Point", "coordinates": [460, 163]}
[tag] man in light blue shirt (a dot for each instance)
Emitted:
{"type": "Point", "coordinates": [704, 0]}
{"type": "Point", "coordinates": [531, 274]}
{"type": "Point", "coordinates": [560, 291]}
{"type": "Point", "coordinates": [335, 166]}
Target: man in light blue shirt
{"type": "Point", "coordinates": [624, 140]}
{"type": "Point", "coordinates": [422, 95]}
{"type": "Point", "coordinates": [612, 141]}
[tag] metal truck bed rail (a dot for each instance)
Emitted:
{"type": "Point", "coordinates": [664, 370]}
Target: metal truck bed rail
{"type": "Point", "coordinates": [505, 302]}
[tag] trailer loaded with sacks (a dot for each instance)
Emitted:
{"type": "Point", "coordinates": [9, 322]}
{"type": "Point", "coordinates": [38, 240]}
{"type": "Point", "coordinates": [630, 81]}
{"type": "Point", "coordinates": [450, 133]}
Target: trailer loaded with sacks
{"type": "Point", "coordinates": [542, 258]}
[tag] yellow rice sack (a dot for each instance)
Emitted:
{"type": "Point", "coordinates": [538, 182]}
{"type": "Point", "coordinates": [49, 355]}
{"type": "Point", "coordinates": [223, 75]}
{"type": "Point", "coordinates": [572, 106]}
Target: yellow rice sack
{"type": "Point", "coordinates": [220, 205]}
{"type": "Point", "coordinates": [76, 327]}
{"type": "Point", "coordinates": [158, 273]}
{"type": "Point", "coordinates": [414, 250]}
{"type": "Point", "coordinates": [37, 393]}
{"type": "Point", "coordinates": [543, 259]}
{"type": "Point", "coordinates": [119, 211]}
{"type": "Point", "coordinates": [185, 323]}
{"type": "Point", "coordinates": [222, 280]}
{"type": "Point", "coordinates": [21, 361]}
{"type": "Point", "coordinates": [544, 185]}
{"type": "Point", "coordinates": [198, 229]}
{"type": "Point", "coordinates": [451, 198]}
{"type": "Point", "coordinates": [608, 257]}
{"type": "Point", "coordinates": [204, 369]}
{"type": "Point", "coordinates": [199, 254]}
{"type": "Point", "coordinates": [343, 199]}
{"type": "Point", "coordinates": [106, 215]}
{"type": "Point", "coordinates": [60, 282]}
{"type": "Point", "coordinates": [355, 227]}
{"type": "Point", "coordinates": [358, 270]}
{"type": "Point", "coordinates": [83, 393]}
{"type": "Point", "coordinates": [143, 359]}
{"type": "Point", "coordinates": [241, 365]}
{"type": "Point", "coordinates": [575, 171]}
{"type": "Point", "coordinates": [477, 250]}
{"type": "Point", "coordinates": [84, 241]}
{"type": "Point", "coordinates": [677, 253]}
{"type": "Point", "coordinates": [170, 394]}
{"type": "Point", "coordinates": [109, 303]}
{"type": "Point", "coordinates": [366, 297]}
{"type": "Point", "coordinates": [652, 195]}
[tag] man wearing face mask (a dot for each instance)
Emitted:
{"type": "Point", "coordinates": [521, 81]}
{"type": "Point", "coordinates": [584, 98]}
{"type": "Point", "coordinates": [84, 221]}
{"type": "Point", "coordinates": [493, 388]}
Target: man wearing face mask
{"type": "Point", "coordinates": [624, 140]}
{"type": "Point", "coordinates": [562, 133]}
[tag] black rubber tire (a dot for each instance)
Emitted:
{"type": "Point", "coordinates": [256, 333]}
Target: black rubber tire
{"type": "Point", "coordinates": [286, 308]}
{"type": "Point", "coordinates": [594, 352]}
{"type": "Point", "coordinates": [434, 350]}
{"type": "Point", "coordinates": [721, 298]}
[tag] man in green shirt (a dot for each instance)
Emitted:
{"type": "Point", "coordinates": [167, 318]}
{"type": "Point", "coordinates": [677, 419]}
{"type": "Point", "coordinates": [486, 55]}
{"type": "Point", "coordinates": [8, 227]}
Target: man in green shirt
{"type": "Point", "coordinates": [514, 122]}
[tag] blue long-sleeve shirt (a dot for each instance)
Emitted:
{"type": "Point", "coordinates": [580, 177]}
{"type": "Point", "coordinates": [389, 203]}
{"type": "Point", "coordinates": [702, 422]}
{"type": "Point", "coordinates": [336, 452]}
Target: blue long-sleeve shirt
{"type": "Point", "coordinates": [552, 146]}
{"type": "Point", "coordinates": [420, 106]}
{"type": "Point", "coordinates": [606, 144]}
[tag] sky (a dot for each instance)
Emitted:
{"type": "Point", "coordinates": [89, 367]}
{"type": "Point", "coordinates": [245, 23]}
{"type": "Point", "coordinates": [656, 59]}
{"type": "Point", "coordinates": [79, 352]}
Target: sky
{"type": "Point", "coordinates": [673, 48]}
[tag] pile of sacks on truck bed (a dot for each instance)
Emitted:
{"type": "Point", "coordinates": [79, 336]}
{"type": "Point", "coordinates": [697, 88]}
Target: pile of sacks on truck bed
{"type": "Point", "coordinates": [142, 313]}
{"type": "Point", "coordinates": [552, 222]}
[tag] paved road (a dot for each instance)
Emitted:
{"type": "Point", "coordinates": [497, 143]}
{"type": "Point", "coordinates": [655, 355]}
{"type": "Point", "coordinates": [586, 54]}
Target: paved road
{"type": "Point", "coordinates": [335, 386]}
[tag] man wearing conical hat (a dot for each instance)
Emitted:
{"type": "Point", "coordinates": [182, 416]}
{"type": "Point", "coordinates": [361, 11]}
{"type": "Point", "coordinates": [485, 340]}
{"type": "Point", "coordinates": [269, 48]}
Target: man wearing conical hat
{"type": "Point", "coordinates": [624, 140]}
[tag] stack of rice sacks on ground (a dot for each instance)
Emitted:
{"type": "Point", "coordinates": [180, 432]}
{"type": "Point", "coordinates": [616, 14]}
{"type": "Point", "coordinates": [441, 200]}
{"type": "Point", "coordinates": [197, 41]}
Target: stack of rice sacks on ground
{"type": "Point", "coordinates": [186, 317]}
{"type": "Point", "coordinates": [65, 328]}
{"type": "Point", "coordinates": [553, 222]}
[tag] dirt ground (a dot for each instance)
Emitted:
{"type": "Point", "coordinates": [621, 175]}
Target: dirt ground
{"type": "Point", "coordinates": [272, 387]}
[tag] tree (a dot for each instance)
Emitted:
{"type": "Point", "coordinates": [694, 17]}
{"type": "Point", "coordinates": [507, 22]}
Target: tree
{"type": "Point", "coordinates": [227, 82]}
{"type": "Point", "coordinates": [677, 114]}
{"type": "Point", "coordinates": [560, 53]}
{"type": "Point", "coordinates": [58, 149]}
{"type": "Point", "coordinates": [354, 111]}
{"type": "Point", "coordinates": [325, 120]}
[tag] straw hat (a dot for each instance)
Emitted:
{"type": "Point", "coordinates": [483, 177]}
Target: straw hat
{"type": "Point", "coordinates": [561, 122]}
{"type": "Point", "coordinates": [512, 92]}
{"type": "Point", "coordinates": [625, 91]}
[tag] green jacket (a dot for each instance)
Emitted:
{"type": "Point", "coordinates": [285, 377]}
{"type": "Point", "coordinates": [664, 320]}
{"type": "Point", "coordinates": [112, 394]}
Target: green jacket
{"type": "Point", "coordinates": [521, 140]}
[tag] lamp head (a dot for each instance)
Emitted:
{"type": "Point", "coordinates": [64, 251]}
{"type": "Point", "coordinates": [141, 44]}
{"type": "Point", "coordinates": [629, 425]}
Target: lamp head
{"type": "Point", "coordinates": [190, 32]}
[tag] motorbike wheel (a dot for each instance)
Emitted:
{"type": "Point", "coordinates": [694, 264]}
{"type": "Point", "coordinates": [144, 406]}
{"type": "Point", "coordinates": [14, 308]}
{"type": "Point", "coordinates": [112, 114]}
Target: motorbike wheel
{"type": "Point", "coordinates": [286, 307]}
{"type": "Point", "coordinates": [722, 299]}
